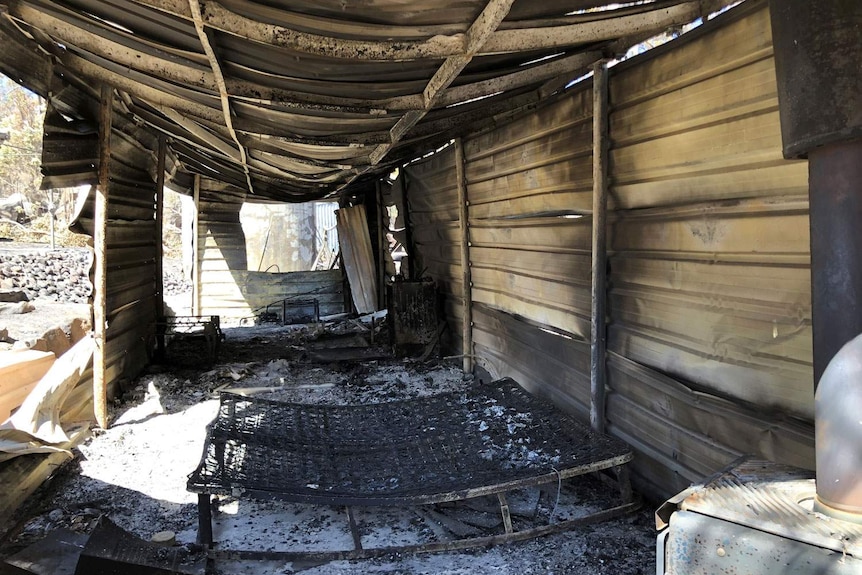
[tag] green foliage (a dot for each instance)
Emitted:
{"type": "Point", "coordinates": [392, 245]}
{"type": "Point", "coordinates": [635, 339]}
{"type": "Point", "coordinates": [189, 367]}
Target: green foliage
{"type": "Point", "coordinates": [21, 116]}
{"type": "Point", "coordinates": [172, 225]}
{"type": "Point", "coordinates": [38, 231]}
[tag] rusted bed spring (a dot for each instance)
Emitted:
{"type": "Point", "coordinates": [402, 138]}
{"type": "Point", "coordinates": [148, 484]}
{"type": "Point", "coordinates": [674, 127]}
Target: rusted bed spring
{"type": "Point", "coordinates": [449, 447]}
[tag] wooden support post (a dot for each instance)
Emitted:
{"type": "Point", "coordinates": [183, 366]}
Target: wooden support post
{"type": "Point", "coordinates": [381, 248]}
{"type": "Point", "coordinates": [466, 276]}
{"type": "Point", "coordinates": [159, 239]}
{"type": "Point", "coordinates": [100, 246]}
{"type": "Point", "coordinates": [160, 220]}
{"type": "Point", "coordinates": [196, 248]}
{"type": "Point", "coordinates": [52, 210]}
{"type": "Point", "coordinates": [624, 482]}
{"type": "Point", "coordinates": [507, 515]}
{"type": "Point", "coordinates": [598, 328]}
{"type": "Point", "coordinates": [354, 529]}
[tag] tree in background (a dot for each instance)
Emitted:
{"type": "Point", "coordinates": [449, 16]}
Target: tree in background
{"type": "Point", "coordinates": [21, 116]}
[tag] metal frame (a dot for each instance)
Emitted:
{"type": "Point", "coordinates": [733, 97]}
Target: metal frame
{"type": "Point", "coordinates": [511, 536]}
{"type": "Point", "coordinates": [288, 438]}
{"type": "Point", "coordinates": [598, 288]}
{"type": "Point", "coordinates": [188, 327]}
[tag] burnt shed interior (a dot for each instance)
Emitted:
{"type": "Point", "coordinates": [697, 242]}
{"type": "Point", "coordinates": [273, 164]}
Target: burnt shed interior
{"type": "Point", "coordinates": [628, 233]}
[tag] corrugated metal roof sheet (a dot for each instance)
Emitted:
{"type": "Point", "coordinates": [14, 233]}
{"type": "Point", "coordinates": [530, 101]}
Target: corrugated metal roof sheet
{"type": "Point", "coordinates": [297, 100]}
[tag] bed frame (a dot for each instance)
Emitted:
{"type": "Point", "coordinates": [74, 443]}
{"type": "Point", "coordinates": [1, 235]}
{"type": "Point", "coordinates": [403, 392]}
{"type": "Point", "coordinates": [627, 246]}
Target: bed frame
{"type": "Point", "coordinates": [489, 440]}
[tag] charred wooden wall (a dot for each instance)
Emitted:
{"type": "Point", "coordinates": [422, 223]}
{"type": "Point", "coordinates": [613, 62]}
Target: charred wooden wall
{"type": "Point", "coordinates": [131, 257]}
{"type": "Point", "coordinates": [70, 158]}
{"type": "Point", "coordinates": [709, 299]}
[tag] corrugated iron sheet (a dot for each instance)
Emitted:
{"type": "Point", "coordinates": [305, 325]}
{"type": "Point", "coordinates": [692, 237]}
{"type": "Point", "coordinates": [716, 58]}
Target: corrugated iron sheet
{"type": "Point", "coordinates": [357, 257]}
{"type": "Point", "coordinates": [528, 183]}
{"type": "Point", "coordinates": [296, 101]}
{"type": "Point", "coordinates": [221, 253]}
{"type": "Point", "coordinates": [131, 306]}
{"type": "Point", "coordinates": [227, 287]}
{"type": "Point", "coordinates": [540, 164]}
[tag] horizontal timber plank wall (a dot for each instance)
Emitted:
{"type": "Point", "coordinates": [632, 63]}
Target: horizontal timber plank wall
{"type": "Point", "coordinates": [131, 258]}
{"type": "Point", "coordinates": [70, 159]}
{"type": "Point", "coordinates": [709, 330]}
{"type": "Point", "coordinates": [227, 288]}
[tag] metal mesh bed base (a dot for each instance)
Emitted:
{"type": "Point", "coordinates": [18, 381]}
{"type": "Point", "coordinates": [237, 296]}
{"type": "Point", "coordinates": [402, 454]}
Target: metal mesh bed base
{"type": "Point", "coordinates": [491, 439]}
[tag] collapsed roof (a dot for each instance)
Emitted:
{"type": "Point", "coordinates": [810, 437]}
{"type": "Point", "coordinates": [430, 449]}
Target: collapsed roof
{"type": "Point", "coordinates": [291, 101]}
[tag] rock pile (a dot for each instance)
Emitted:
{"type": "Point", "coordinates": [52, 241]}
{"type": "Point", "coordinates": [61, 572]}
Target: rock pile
{"type": "Point", "coordinates": [56, 275]}
{"type": "Point", "coordinates": [175, 281]}
{"type": "Point", "coordinates": [62, 275]}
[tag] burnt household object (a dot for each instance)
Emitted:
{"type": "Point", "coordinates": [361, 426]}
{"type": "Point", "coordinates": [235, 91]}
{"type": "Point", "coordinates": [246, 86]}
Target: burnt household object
{"type": "Point", "coordinates": [838, 435]}
{"type": "Point", "coordinates": [444, 448]}
{"type": "Point", "coordinates": [111, 550]}
{"type": "Point", "coordinates": [762, 518]}
{"type": "Point", "coordinates": [267, 317]}
{"type": "Point", "coordinates": [413, 314]}
{"type": "Point", "coordinates": [344, 348]}
{"type": "Point", "coordinates": [293, 311]}
{"type": "Point", "coordinates": [189, 337]}
{"type": "Point", "coordinates": [755, 517]}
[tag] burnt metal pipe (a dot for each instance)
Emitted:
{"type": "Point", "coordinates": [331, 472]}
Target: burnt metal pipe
{"type": "Point", "coordinates": [835, 212]}
{"type": "Point", "coordinates": [835, 188]}
{"type": "Point", "coordinates": [598, 289]}
{"type": "Point", "coordinates": [817, 53]}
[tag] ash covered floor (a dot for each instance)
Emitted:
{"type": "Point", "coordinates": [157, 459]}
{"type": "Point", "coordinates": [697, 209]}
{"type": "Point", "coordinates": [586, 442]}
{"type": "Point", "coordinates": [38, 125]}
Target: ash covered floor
{"type": "Point", "coordinates": [135, 473]}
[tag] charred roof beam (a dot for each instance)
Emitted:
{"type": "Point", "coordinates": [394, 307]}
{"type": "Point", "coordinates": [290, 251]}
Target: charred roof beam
{"type": "Point", "coordinates": [519, 36]}
{"type": "Point", "coordinates": [563, 66]}
{"type": "Point", "coordinates": [481, 29]}
{"type": "Point", "coordinates": [220, 18]}
{"type": "Point", "coordinates": [652, 21]}
{"type": "Point", "coordinates": [209, 48]}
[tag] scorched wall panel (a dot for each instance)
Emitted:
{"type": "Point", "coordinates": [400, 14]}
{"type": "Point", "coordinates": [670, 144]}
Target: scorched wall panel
{"type": "Point", "coordinates": [529, 184]}
{"type": "Point", "coordinates": [710, 249]}
{"type": "Point", "coordinates": [708, 279]}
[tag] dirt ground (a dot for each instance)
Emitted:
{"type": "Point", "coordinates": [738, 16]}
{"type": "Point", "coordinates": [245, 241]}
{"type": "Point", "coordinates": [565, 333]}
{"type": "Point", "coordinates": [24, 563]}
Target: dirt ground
{"type": "Point", "coordinates": [135, 473]}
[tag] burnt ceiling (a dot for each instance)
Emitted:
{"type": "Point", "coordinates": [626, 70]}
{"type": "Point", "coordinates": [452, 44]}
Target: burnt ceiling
{"type": "Point", "coordinates": [296, 100]}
